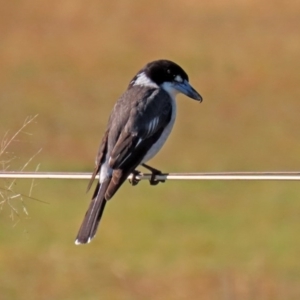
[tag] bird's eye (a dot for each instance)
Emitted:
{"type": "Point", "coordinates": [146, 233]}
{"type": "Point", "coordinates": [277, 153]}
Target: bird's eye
{"type": "Point", "coordinates": [168, 71]}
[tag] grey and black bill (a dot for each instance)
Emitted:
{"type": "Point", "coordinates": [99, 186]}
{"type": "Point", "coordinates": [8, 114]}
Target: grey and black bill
{"type": "Point", "coordinates": [138, 127]}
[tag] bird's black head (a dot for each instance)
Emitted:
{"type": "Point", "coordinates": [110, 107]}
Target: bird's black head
{"type": "Point", "coordinates": [166, 75]}
{"type": "Point", "coordinates": [162, 70]}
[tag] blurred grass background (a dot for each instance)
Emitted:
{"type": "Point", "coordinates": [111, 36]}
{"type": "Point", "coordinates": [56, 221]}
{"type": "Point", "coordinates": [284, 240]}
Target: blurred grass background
{"type": "Point", "coordinates": [69, 61]}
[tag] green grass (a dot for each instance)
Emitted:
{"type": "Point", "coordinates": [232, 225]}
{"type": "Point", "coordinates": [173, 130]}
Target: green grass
{"type": "Point", "coordinates": [68, 62]}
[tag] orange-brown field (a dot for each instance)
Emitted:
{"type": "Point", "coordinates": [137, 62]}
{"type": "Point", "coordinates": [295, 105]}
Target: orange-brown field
{"type": "Point", "coordinates": [68, 61]}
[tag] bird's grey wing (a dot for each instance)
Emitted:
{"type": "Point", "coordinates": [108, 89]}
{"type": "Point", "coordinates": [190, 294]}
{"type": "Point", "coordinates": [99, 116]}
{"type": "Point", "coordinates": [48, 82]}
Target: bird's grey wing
{"type": "Point", "coordinates": [144, 127]}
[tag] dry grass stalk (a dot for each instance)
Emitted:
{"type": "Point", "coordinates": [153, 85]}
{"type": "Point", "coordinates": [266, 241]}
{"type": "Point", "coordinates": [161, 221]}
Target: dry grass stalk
{"type": "Point", "coordinates": [8, 193]}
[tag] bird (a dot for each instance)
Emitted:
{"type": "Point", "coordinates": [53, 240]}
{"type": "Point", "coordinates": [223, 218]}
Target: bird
{"type": "Point", "coordinates": [139, 125]}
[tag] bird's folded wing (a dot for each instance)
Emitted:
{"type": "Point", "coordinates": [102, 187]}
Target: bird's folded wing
{"type": "Point", "coordinates": [144, 126]}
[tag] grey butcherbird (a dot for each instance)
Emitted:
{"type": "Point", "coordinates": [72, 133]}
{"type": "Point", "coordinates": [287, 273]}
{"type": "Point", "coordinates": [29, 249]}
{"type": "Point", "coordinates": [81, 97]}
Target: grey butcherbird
{"type": "Point", "coordinates": [139, 125]}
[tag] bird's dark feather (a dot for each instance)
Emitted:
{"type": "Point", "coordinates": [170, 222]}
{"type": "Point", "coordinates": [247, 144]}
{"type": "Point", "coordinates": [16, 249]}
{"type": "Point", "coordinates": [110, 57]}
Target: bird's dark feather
{"type": "Point", "coordinates": [136, 130]}
{"type": "Point", "coordinates": [130, 164]}
{"type": "Point", "coordinates": [93, 215]}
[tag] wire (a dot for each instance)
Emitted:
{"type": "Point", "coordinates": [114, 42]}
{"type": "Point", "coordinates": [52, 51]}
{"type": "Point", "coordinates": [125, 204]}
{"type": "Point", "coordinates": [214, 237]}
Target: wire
{"type": "Point", "coordinates": [270, 176]}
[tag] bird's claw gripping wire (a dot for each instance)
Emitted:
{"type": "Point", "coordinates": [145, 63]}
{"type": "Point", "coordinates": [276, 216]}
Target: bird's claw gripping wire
{"type": "Point", "coordinates": [154, 173]}
{"type": "Point", "coordinates": [153, 181]}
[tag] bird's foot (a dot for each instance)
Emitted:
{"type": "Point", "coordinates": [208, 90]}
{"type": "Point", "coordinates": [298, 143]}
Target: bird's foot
{"type": "Point", "coordinates": [134, 180]}
{"type": "Point", "coordinates": [154, 172]}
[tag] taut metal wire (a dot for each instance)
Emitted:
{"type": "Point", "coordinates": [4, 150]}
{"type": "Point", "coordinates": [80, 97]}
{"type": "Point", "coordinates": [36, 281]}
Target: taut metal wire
{"type": "Point", "coordinates": [266, 176]}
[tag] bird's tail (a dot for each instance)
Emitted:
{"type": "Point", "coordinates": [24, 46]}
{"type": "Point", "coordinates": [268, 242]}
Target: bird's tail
{"type": "Point", "coordinates": [93, 215]}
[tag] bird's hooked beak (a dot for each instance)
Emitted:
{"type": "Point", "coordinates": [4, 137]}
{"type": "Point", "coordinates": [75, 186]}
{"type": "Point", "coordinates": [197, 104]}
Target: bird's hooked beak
{"type": "Point", "coordinates": [186, 89]}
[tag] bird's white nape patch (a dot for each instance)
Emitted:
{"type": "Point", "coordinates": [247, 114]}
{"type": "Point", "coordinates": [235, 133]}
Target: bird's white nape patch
{"type": "Point", "coordinates": [178, 78]}
{"type": "Point", "coordinates": [143, 80]}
